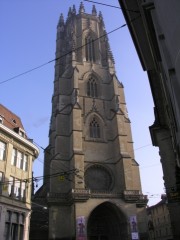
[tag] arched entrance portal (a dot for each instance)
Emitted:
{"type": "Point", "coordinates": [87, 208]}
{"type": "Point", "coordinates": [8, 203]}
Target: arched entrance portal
{"type": "Point", "coordinates": [107, 222]}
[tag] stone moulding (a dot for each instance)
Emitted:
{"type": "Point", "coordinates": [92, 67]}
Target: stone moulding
{"type": "Point", "coordinates": [135, 196]}
{"type": "Point", "coordinates": [80, 195]}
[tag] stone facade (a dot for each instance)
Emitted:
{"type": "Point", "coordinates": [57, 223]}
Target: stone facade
{"type": "Point", "coordinates": [156, 32]}
{"type": "Point", "coordinates": [94, 189]}
{"type": "Point", "coordinates": [17, 154]}
{"type": "Point", "coordinates": [159, 222]}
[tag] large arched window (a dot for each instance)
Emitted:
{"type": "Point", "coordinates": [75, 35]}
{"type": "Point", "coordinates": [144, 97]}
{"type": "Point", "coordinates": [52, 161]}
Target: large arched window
{"type": "Point", "coordinates": [90, 49]}
{"type": "Point", "coordinates": [92, 87]}
{"type": "Point", "coordinates": [94, 128]}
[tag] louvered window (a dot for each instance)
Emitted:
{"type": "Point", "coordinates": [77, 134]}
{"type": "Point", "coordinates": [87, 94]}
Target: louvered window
{"type": "Point", "coordinates": [92, 88]}
{"type": "Point", "coordinates": [90, 50]}
{"type": "Point", "coordinates": [94, 129]}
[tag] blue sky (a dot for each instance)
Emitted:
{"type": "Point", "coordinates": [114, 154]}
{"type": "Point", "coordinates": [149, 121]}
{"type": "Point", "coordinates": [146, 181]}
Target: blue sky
{"type": "Point", "coordinates": [28, 38]}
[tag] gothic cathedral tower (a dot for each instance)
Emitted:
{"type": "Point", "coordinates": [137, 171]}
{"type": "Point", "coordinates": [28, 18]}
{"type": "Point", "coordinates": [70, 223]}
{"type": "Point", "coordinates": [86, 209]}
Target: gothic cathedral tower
{"type": "Point", "coordinates": [90, 140]}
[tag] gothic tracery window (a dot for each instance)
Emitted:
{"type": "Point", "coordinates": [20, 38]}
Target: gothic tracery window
{"type": "Point", "coordinates": [94, 128]}
{"type": "Point", "coordinates": [92, 87]}
{"type": "Point", "coordinates": [90, 49]}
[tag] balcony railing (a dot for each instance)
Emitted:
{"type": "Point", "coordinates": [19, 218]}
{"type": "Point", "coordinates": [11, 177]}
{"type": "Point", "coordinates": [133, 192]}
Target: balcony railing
{"type": "Point", "coordinates": [135, 196]}
{"type": "Point", "coordinates": [81, 195]}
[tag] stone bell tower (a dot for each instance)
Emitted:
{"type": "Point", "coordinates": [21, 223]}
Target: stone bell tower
{"type": "Point", "coordinates": [94, 190]}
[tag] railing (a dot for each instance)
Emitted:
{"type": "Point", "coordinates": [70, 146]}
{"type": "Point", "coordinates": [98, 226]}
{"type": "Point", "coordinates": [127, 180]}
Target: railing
{"type": "Point", "coordinates": [81, 195]}
{"type": "Point", "coordinates": [105, 194]}
{"type": "Point", "coordinates": [135, 196]}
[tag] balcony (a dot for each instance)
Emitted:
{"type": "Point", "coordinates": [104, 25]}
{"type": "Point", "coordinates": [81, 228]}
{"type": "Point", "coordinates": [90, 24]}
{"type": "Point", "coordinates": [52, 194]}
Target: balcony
{"type": "Point", "coordinates": [135, 196]}
{"type": "Point", "coordinates": [81, 195]}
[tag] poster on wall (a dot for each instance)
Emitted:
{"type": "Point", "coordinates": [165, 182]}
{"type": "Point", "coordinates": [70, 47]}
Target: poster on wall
{"type": "Point", "coordinates": [135, 236]}
{"type": "Point", "coordinates": [134, 228]}
{"type": "Point", "coordinates": [81, 228]}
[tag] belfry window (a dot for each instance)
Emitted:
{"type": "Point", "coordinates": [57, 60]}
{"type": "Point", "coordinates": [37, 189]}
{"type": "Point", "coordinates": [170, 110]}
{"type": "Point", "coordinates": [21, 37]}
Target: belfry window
{"type": "Point", "coordinates": [94, 128]}
{"type": "Point", "coordinates": [90, 50]}
{"type": "Point", "coordinates": [92, 87]}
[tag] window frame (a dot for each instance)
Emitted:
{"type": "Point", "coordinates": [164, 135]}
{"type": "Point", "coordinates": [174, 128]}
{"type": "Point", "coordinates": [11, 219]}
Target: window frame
{"type": "Point", "coordinates": [19, 159]}
{"type": "Point", "coordinates": [1, 181]}
{"type": "Point", "coordinates": [90, 49]}
{"type": "Point", "coordinates": [92, 87]}
{"type": "Point", "coordinates": [94, 128]}
{"type": "Point", "coordinates": [11, 186]}
{"type": "Point", "coordinates": [14, 225]}
{"type": "Point", "coordinates": [3, 147]}
{"type": "Point", "coordinates": [14, 157]}
{"type": "Point", "coordinates": [17, 188]}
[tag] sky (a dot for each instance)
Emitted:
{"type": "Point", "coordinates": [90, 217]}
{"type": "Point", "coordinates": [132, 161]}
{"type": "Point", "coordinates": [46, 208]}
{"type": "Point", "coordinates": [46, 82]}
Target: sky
{"type": "Point", "coordinates": [28, 40]}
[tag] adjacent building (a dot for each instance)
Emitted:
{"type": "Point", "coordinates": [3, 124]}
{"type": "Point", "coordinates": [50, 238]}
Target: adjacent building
{"type": "Point", "coordinates": [159, 223]}
{"type": "Point", "coordinates": [17, 154]}
{"type": "Point", "coordinates": [155, 30]}
{"type": "Point", "coordinates": [93, 190]}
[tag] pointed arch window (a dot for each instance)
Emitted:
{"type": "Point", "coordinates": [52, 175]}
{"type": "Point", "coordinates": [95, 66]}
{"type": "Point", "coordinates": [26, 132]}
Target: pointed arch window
{"type": "Point", "coordinates": [92, 87]}
{"type": "Point", "coordinates": [90, 49]}
{"type": "Point", "coordinates": [94, 128]}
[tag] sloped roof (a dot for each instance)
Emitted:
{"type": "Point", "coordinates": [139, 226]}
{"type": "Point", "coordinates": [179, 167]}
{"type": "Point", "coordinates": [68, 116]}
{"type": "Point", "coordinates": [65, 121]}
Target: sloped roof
{"type": "Point", "coordinates": [10, 119]}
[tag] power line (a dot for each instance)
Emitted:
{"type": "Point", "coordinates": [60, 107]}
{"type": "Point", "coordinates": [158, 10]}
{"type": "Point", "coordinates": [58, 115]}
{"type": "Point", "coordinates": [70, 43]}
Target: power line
{"type": "Point", "coordinates": [100, 162]}
{"type": "Point", "coordinates": [76, 49]}
{"type": "Point", "coordinates": [108, 5]}
{"type": "Point", "coordinates": [28, 71]}
{"type": "Point", "coordinates": [36, 179]}
{"type": "Point", "coordinates": [41, 146]}
{"type": "Point", "coordinates": [53, 157]}
{"type": "Point", "coordinates": [147, 145]}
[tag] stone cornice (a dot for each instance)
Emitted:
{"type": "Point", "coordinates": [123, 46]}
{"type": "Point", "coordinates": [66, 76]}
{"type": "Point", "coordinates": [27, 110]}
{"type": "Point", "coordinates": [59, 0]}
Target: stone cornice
{"type": "Point", "coordinates": [19, 138]}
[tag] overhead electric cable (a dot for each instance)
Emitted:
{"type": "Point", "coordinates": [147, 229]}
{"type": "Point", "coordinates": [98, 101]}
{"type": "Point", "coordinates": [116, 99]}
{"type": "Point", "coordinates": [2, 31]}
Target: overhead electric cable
{"type": "Point", "coordinates": [76, 49]}
{"type": "Point", "coordinates": [108, 5]}
{"type": "Point", "coordinates": [104, 4]}
{"type": "Point", "coordinates": [63, 173]}
{"type": "Point", "coordinates": [52, 158]}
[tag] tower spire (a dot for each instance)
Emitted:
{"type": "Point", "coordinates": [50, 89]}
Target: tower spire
{"type": "Point", "coordinates": [94, 12]}
{"type": "Point", "coordinates": [74, 10]}
{"type": "Point", "coordinates": [61, 20]}
{"type": "Point", "coordinates": [69, 12]}
{"type": "Point", "coordinates": [81, 8]}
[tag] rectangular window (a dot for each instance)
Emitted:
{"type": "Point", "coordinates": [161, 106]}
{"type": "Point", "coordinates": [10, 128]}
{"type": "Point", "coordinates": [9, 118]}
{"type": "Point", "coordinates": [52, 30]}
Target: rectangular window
{"type": "Point", "coordinates": [21, 232]}
{"type": "Point", "coordinates": [25, 163]}
{"type": "Point", "coordinates": [17, 188]}
{"type": "Point", "coordinates": [7, 231]}
{"type": "Point", "coordinates": [14, 217]}
{"type": "Point", "coordinates": [14, 157]}
{"type": "Point", "coordinates": [23, 190]}
{"type": "Point", "coordinates": [1, 119]}
{"type": "Point", "coordinates": [8, 216]}
{"type": "Point", "coordinates": [14, 226]}
{"type": "Point", "coordinates": [2, 150]}
{"type": "Point", "coordinates": [19, 159]}
{"type": "Point", "coordinates": [14, 231]}
{"type": "Point", "coordinates": [21, 218]}
{"type": "Point", "coordinates": [21, 133]}
{"type": "Point", "coordinates": [1, 182]}
{"type": "Point", "coordinates": [11, 187]}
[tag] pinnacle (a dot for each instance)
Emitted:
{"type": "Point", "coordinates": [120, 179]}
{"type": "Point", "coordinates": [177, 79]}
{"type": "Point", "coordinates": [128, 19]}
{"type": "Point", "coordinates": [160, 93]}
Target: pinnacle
{"type": "Point", "coordinates": [74, 9]}
{"type": "Point", "coordinates": [61, 20]}
{"type": "Point", "coordinates": [81, 8]}
{"type": "Point", "coordinates": [94, 12]}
